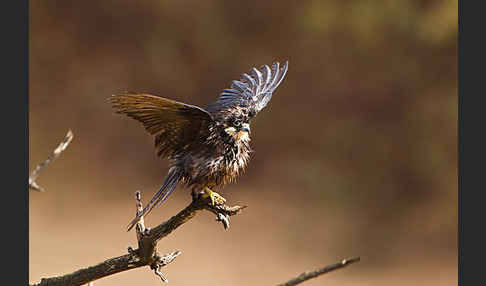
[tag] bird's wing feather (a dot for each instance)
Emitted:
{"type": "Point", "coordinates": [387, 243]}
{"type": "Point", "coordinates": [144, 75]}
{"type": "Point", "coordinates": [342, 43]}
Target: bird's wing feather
{"type": "Point", "coordinates": [253, 91]}
{"type": "Point", "coordinates": [178, 127]}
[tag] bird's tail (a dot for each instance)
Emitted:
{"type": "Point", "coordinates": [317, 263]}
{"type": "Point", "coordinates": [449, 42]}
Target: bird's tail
{"type": "Point", "coordinates": [170, 183]}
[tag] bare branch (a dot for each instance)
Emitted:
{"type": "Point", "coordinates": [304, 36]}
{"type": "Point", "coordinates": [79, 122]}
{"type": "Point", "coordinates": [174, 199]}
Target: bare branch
{"type": "Point", "coordinates": [103, 269]}
{"type": "Point", "coordinates": [198, 203]}
{"type": "Point", "coordinates": [62, 146]}
{"type": "Point", "coordinates": [312, 274]}
{"type": "Point", "coordinates": [146, 254]}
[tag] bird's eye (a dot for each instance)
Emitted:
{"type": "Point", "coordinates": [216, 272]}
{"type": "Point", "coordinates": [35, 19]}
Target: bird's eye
{"type": "Point", "coordinates": [237, 124]}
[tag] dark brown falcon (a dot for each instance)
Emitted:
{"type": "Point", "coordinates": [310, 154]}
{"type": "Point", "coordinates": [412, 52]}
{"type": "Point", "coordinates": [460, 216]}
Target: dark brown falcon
{"type": "Point", "coordinates": [206, 147]}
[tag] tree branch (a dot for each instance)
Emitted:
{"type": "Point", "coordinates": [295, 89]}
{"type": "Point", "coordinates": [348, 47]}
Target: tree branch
{"type": "Point", "coordinates": [57, 152]}
{"type": "Point", "coordinates": [145, 254]}
{"type": "Point", "coordinates": [312, 274]}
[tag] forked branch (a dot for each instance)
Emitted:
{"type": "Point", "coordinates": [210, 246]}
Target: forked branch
{"type": "Point", "coordinates": [145, 254]}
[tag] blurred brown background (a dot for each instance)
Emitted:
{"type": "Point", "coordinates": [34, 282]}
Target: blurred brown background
{"type": "Point", "coordinates": [355, 155]}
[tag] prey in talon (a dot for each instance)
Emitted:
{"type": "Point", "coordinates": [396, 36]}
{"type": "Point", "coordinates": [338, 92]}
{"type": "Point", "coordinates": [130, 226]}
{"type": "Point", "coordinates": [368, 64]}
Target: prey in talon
{"type": "Point", "coordinates": [206, 147]}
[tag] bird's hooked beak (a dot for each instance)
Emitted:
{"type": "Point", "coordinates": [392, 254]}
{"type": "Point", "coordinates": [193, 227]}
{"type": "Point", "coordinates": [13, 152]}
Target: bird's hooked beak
{"type": "Point", "coordinates": [240, 133]}
{"type": "Point", "coordinates": [245, 127]}
{"type": "Point", "coordinates": [244, 132]}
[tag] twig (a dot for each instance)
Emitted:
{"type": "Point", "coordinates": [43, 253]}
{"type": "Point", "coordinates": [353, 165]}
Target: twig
{"type": "Point", "coordinates": [312, 274]}
{"type": "Point", "coordinates": [145, 254]}
{"type": "Point", "coordinates": [140, 227]}
{"type": "Point", "coordinates": [62, 146]}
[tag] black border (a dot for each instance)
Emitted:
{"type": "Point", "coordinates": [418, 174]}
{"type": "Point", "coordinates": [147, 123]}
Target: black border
{"type": "Point", "coordinates": [471, 143]}
{"type": "Point", "coordinates": [15, 141]}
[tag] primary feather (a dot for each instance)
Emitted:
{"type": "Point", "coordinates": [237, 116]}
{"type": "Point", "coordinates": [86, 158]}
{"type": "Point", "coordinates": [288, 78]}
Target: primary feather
{"type": "Point", "coordinates": [252, 92]}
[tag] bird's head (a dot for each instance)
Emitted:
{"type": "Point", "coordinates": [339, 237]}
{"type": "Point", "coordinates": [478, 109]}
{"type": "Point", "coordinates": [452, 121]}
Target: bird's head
{"type": "Point", "coordinates": [238, 128]}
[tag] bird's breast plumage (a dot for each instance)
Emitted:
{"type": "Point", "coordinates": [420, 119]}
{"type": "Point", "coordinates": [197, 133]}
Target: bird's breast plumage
{"type": "Point", "coordinates": [219, 167]}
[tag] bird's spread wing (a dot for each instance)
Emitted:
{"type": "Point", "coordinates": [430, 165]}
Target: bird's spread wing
{"type": "Point", "coordinates": [177, 127]}
{"type": "Point", "coordinates": [253, 91]}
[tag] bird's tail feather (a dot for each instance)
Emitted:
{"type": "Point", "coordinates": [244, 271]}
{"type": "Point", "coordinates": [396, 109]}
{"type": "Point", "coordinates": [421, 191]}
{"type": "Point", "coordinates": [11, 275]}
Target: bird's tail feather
{"type": "Point", "coordinates": [170, 183]}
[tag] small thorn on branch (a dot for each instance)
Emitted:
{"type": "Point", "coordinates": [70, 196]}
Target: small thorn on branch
{"type": "Point", "coordinates": [221, 210]}
{"type": "Point", "coordinates": [140, 226]}
{"type": "Point", "coordinates": [163, 261]}
{"type": "Point", "coordinates": [168, 258]}
{"type": "Point", "coordinates": [224, 219]}
{"type": "Point", "coordinates": [57, 152]}
{"type": "Point", "coordinates": [158, 273]}
{"type": "Point", "coordinates": [131, 251]}
{"type": "Point", "coordinates": [223, 213]}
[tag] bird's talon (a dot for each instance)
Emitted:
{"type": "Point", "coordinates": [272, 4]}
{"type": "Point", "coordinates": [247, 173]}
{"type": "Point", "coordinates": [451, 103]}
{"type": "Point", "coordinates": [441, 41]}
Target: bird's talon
{"type": "Point", "coordinates": [213, 196]}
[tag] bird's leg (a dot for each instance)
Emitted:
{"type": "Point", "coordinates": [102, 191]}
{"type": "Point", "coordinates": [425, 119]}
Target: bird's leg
{"type": "Point", "coordinates": [215, 197]}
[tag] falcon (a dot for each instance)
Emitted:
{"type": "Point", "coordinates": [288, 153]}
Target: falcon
{"type": "Point", "coordinates": [206, 147]}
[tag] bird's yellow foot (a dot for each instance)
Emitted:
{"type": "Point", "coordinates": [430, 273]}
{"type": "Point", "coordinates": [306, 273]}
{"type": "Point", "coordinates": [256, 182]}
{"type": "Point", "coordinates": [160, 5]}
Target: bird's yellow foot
{"type": "Point", "coordinates": [215, 197]}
